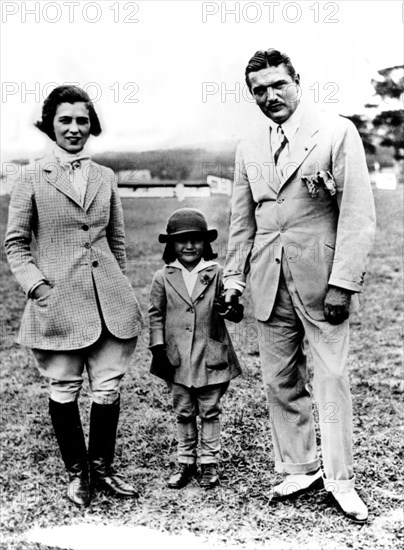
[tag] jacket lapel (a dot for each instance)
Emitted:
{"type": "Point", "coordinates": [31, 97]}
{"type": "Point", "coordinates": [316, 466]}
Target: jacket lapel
{"type": "Point", "coordinates": [263, 159]}
{"type": "Point", "coordinates": [205, 278]}
{"type": "Point", "coordinates": [304, 143]}
{"type": "Point", "coordinates": [55, 175]}
{"type": "Point", "coordinates": [93, 184]}
{"type": "Point", "coordinates": [176, 280]}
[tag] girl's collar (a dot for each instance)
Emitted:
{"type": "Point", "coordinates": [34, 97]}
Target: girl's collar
{"type": "Point", "coordinates": [202, 265]}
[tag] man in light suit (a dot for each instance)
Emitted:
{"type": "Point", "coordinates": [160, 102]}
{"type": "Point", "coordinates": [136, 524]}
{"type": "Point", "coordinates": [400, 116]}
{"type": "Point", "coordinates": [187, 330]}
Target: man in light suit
{"type": "Point", "coordinates": [302, 227]}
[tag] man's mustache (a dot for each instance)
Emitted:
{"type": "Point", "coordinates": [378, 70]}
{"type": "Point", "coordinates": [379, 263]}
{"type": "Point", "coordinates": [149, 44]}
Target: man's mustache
{"type": "Point", "coordinates": [273, 104]}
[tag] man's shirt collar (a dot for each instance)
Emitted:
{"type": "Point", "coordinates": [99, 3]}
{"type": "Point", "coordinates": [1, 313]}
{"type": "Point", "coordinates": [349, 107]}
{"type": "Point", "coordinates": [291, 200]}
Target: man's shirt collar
{"type": "Point", "coordinates": [291, 125]}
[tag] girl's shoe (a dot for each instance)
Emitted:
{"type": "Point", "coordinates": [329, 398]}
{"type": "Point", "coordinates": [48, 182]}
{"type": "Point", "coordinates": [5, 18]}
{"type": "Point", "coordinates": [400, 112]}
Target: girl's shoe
{"type": "Point", "coordinates": [209, 477]}
{"type": "Point", "coordinates": [182, 475]}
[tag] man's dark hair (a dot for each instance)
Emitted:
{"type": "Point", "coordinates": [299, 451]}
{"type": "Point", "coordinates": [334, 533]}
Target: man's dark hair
{"type": "Point", "coordinates": [170, 256]}
{"type": "Point", "coordinates": [66, 94]}
{"type": "Point", "coordinates": [268, 58]}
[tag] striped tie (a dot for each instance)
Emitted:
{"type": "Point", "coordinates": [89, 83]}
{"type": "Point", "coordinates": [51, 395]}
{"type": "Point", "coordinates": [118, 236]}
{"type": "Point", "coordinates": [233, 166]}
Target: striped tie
{"type": "Point", "coordinates": [283, 140]}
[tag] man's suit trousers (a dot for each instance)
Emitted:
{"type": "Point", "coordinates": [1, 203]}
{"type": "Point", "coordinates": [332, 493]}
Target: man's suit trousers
{"type": "Point", "coordinates": [284, 341]}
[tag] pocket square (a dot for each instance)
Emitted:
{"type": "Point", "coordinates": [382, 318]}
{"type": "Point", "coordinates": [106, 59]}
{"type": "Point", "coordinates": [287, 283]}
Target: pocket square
{"type": "Point", "coordinates": [328, 181]}
{"type": "Point", "coordinates": [313, 183]}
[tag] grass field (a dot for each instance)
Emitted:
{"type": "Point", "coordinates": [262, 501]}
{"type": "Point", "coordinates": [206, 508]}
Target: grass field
{"type": "Point", "coordinates": [238, 513]}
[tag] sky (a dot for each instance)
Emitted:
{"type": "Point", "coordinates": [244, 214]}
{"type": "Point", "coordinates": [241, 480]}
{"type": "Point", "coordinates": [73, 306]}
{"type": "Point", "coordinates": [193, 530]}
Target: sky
{"type": "Point", "coordinates": [171, 73]}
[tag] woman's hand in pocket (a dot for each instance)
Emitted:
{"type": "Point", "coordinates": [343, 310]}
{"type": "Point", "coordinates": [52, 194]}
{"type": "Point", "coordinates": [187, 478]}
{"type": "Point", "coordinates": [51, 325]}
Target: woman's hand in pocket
{"type": "Point", "coordinates": [41, 290]}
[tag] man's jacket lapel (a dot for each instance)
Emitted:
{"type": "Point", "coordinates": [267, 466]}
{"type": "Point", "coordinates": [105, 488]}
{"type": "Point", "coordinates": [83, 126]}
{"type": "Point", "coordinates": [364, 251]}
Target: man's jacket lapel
{"type": "Point", "coordinates": [303, 144]}
{"type": "Point", "coordinates": [263, 153]}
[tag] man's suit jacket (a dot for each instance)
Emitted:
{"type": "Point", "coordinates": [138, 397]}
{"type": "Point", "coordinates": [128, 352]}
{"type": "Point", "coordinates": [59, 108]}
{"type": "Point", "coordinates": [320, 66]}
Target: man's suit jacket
{"type": "Point", "coordinates": [80, 251]}
{"type": "Point", "coordinates": [195, 335]}
{"type": "Point", "coordinates": [326, 239]}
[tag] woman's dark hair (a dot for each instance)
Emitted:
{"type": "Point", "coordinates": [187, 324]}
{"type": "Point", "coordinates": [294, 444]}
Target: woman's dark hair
{"type": "Point", "coordinates": [268, 58]}
{"type": "Point", "coordinates": [170, 256]}
{"type": "Point", "coordinates": [66, 94]}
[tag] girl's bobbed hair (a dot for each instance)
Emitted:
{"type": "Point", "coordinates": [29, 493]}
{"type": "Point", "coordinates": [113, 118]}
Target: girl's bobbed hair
{"type": "Point", "coordinates": [66, 94]}
{"type": "Point", "coordinates": [170, 256]}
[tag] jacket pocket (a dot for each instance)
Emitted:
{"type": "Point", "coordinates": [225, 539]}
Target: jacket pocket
{"type": "Point", "coordinates": [43, 300]}
{"type": "Point", "coordinates": [216, 355]}
{"type": "Point", "coordinates": [172, 354]}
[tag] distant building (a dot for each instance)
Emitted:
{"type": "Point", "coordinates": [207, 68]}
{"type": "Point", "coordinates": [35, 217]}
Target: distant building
{"type": "Point", "coordinates": [164, 189]}
{"type": "Point", "coordinates": [189, 189]}
{"type": "Point", "coordinates": [146, 192]}
{"type": "Point", "coordinates": [219, 185]}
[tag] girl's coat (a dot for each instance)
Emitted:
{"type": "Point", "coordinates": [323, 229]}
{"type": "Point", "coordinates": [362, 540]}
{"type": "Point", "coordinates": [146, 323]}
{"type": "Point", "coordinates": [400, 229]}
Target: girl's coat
{"type": "Point", "coordinates": [195, 335]}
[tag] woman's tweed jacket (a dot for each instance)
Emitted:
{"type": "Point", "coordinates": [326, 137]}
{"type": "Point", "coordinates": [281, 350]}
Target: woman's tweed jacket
{"type": "Point", "coordinates": [80, 251]}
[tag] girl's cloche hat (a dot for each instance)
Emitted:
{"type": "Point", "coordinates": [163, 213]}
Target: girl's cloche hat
{"type": "Point", "coordinates": [187, 220]}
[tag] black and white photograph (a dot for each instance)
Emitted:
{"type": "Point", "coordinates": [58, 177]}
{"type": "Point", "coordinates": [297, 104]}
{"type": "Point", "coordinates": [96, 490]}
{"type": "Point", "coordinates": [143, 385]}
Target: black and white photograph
{"type": "Point", "coordinates": [202, 224]}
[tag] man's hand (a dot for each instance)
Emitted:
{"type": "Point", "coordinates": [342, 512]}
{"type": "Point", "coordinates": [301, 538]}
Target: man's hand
{"type": "Point", "coordinates": [336, 305]}
{"type": "Point", "coordinates": [41, 290]}
{"type": "Point", "coordinates": [229, 310]}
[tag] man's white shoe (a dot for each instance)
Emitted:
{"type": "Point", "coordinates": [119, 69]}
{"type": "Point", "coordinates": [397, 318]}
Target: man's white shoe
{"type": "Point", "coordinates": [295, 484]}
{"type": "Point", "coordinates": [351, 505]}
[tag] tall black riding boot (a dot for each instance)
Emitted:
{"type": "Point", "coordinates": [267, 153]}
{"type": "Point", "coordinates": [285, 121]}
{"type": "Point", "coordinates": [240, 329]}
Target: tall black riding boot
{"type": "Point", "coordinates": [101, 450]}
{"type": "Point", "coordinates": [69, 434]}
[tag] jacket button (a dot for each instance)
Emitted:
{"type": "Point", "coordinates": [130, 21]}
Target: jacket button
{"type": "Point", "coordinates": [87, 245]}
{"type": "Point", "coordinates": [277, 260]}
{"type": "Point", "coordinates": [190, 309]}
{"type": "Point", "coordinates": [95, 263]}
{"type": "Point", "coordinates": [85, 227]}
{"type": "Point", "coordinates": [280, 201]}
{"type": "Point", "coordinates": [283, 230]}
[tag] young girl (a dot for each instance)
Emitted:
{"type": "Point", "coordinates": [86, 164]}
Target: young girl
{"type": "Point", "coordinates": [189, 341]}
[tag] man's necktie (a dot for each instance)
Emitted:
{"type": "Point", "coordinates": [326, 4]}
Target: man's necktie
{"type": "Point", "coordinates": [283, 141]}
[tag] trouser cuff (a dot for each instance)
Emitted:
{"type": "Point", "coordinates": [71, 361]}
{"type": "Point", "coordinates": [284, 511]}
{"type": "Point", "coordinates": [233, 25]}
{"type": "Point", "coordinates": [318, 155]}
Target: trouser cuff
{"type": "Point", "coordinates": [297, 468]}
{"type": "Point", "coordinates": [186, 460]}
{"type": "Point", "coordinates": [105, 399]}
{"type": "Point", "coordinates": [208, 460]}
{"type": "Point", "coordinates": [339, 485]}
